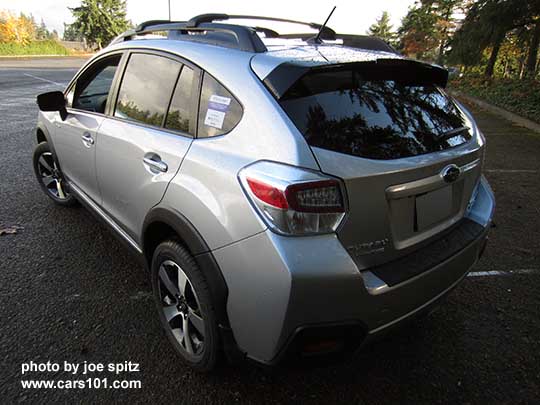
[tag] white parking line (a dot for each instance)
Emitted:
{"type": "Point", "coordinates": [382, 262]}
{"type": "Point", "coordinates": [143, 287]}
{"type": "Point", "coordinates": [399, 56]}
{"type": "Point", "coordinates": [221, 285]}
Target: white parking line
{"type": "Point", "coordinates": [486, 273]}
{"type": "Point", "coordinates": [501, 273]}
{"type": "Point", "coordinates": [74, 70]}
{"type": "Point", "coordinates": [511, 171]}
{"type": "Point", "coordinates": [43, 79]}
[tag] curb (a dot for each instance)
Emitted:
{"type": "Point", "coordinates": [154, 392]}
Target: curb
{"type": "Point", "coordinates": [510, 116]}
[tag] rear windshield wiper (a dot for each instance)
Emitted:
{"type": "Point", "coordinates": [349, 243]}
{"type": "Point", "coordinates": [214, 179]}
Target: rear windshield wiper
{"type": "Point", "coordinates": [451, 133]}
{"type": "Point", "coordinates": [445, 135]}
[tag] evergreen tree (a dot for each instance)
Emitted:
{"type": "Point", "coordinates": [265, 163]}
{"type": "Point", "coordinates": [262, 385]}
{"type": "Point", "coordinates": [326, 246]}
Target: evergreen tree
{"type": "Point", "coordinates": [487, 26]}
{"type": "Point", "coordinates": [428, 27]}
{"type": "Point", "coordinates": [383, 29]}
{"type": "Point", "coordinates": [99, 21]}
{"type": "Point", "coordinates": [534, 43]}
{"type": "Point", "coordinates": [71, 33]}
{"type": "Point", "coordinates": [41, 31]}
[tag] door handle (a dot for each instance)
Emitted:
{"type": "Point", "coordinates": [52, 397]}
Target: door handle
{"type": "Point", "coordinates": [87, 139]}
{"type": "Point", "coordinates": [158, 165]}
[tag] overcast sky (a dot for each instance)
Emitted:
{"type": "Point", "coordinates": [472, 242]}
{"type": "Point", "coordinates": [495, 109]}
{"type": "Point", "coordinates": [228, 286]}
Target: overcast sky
{"type": "Point", "coordinates": [350, 17]}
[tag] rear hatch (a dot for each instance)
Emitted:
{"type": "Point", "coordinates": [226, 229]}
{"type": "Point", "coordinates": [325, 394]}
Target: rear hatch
{"type": "Point", "coordinates": [409, 156]}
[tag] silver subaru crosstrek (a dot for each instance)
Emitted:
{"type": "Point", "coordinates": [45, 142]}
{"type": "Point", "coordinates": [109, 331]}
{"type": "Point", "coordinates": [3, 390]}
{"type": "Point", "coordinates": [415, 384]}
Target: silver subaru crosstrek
{"type": "Point", "coordinates": [292, 196]}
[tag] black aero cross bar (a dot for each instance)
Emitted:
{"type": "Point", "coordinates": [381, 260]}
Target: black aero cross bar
{"type": "Point", "coordinates": [208, 18]}
{"type": "Point", "coordinates": [245, 37]}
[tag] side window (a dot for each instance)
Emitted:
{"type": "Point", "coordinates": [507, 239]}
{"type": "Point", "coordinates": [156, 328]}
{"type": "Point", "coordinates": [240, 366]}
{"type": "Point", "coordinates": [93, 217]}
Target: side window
{"type": "Point", "coordinates": [219, 111]}
{"type": "Point", "coordinates": [92, 88]}
{"type": "Point", "coordinates": [181, 111]}
{"type": "Point", "coordinates": [146, 88]}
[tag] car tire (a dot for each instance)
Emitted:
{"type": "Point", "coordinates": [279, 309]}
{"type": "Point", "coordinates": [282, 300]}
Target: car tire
{"type": "Point", "coordinates": [50, 177]}
{"type": "Point", "coordinates": [184, 303]}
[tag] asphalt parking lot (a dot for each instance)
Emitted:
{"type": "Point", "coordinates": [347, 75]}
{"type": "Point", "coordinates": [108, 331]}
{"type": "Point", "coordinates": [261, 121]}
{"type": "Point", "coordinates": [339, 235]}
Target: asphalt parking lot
{"type": "Point", "coordinates": [70, 292]}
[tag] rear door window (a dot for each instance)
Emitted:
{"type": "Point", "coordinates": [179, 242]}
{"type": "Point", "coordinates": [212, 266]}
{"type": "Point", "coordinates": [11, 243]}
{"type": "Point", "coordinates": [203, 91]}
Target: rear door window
{"type": "Point", "coordinates": [181, 115]}
{"type": "Point", "coordinates": [373, 116]}
{"type": "Point", "coordinates": [146, 88]}
{"type": "Point", "coordinates": [219, 111]}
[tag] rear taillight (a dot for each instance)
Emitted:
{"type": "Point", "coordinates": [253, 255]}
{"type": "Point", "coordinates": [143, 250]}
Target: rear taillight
{"type": "Point", "coordinates": [316, 196]}
{"type": "Point", "coordinates": [294, 201]}
{"type": "Point", "coordinates": [268, 194]}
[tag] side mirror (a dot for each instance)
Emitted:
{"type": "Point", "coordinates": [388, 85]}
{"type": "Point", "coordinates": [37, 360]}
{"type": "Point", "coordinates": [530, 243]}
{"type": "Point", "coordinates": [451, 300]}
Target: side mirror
{"type": "Point", "coordinates": [53, 101]}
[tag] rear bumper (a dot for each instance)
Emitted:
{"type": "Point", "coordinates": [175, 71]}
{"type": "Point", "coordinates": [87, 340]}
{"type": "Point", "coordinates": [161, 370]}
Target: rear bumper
{"type": "Point", "coordinates": [282, 289]}
{"type": "Point", "coordinates": [457, 266]}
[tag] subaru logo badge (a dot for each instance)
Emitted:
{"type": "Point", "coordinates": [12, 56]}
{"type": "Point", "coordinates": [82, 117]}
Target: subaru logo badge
{"type": "Point", "coordinates": [450, 173]}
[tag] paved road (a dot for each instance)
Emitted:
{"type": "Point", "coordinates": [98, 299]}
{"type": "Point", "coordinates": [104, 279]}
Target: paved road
{"type": "Point", "coordinates": [70, 291]}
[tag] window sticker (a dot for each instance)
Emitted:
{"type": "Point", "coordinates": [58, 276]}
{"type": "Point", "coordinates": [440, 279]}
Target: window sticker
{"type": "Point", "coordinates": [214, 118]}
{"type": "Point", "coordinates": [214, 98]}
{"type": "Point", "coordinates": [217, 108]}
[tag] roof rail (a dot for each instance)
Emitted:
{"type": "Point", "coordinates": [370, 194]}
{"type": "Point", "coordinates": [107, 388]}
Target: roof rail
{"type": "Point", "coordinates": [208, 18]}
{"type": "Point", "coordinates": [202, 28]}
{"type": "Point", "coordinates": [244, 38]}
{"type": "Point", "coordinates": [143, 25]}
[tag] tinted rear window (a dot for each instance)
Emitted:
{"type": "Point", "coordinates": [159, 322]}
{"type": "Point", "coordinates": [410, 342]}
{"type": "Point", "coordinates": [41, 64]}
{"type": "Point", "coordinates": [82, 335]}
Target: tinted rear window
{"type": "Point", "coordinates": [219, 112]}
{"type": "Point", "coordinates": [376, 117]}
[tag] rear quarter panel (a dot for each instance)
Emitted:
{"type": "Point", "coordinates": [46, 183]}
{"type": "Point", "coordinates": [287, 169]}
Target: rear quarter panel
{"type": "Point", "coordinates": [206, 189]}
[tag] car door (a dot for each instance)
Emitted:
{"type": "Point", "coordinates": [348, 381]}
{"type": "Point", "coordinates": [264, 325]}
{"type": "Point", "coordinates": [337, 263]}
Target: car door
{"type": "Point", "coordinates": [144, 140]}
{"type": "Point", "coordinates": [76, 136]}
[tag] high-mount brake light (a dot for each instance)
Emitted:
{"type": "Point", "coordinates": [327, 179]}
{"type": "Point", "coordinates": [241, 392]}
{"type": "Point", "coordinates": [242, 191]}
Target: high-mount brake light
{"type": "Point", "coordinates": [294, 201]}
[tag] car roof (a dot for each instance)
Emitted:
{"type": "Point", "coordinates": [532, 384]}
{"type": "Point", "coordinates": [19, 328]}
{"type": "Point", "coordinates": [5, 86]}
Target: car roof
{"type": "Point", "coordinates": [291, 51]}
{"type": "Point", "coordinates": [204, 36]}
{"type": "Point", "coordinates": [229, 51]}
{"type": "Point", "coordinates": [282, 63]}
{"type": "Point", "coordinates": [198, 53]}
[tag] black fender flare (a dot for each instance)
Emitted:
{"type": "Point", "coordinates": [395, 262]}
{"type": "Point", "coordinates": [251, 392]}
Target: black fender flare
{"type": "Point", "coordinates": [41, 127]}
{"type": "Point", "coordinates": [197, 246]}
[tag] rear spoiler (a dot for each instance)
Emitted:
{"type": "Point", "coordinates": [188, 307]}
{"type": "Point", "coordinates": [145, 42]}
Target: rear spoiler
{"type": "Point", "coordinates": [407, 70]}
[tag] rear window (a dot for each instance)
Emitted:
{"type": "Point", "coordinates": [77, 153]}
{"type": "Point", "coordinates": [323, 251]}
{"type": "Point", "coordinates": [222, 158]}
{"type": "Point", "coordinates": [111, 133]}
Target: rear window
{"type": "Point", "coordinates": [374, 116]}
{"type": "Point", "coordinates": [219, 112]}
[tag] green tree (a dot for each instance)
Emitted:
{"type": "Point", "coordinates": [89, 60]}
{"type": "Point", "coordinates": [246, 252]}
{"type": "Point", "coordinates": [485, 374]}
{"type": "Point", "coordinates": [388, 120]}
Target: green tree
{"type": "Point", "coordinates": [383, 29]}
{"type": "Point", "coordinates": [489, 24]}
{"type": "Point", "coordinates": [533, 45]}
{"type": "Point", "coordinates": [99, 21]}
{"type": "Point", "coordinates": [428, 27]}
{"type": "Point", "coordinates": [71, 33]}
{"type": "Point", "coordinates": [42, 32]}
{"type": "Point", "coordinates": [417, 32]}
{"type": "Point", "coordinates": [446, 24]}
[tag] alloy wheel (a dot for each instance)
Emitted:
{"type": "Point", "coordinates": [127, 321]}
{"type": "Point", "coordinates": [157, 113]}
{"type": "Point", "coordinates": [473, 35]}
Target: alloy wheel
{"type": "Point", "coordinates": [51, 177]}
{"type": "Point", "coordinates": [181, 308]}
